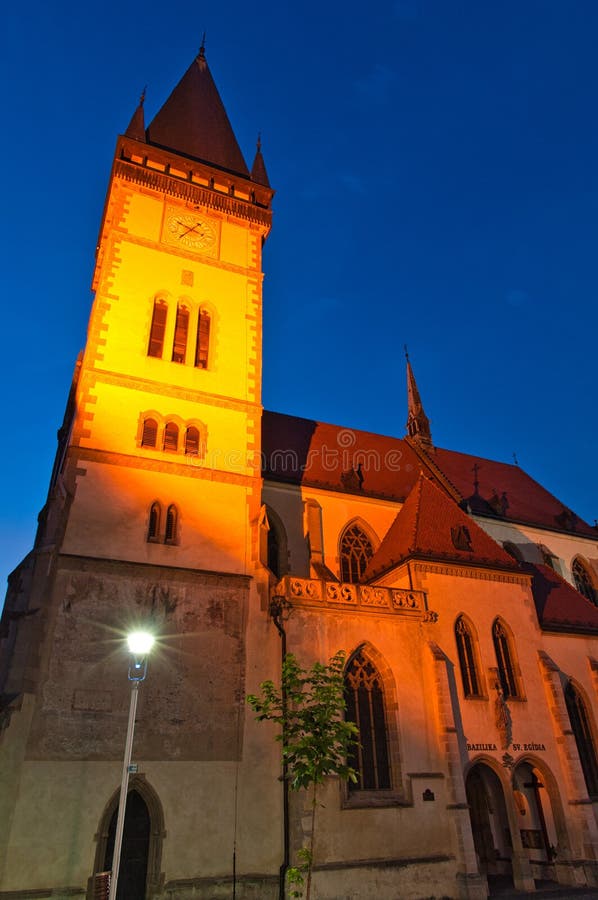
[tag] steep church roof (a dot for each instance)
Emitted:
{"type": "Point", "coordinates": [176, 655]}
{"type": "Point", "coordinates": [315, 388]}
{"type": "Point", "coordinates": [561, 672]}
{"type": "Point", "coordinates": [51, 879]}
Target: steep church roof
{"type": "Point", "coordinates": [194, 123]}
{"type": "Point", "coordinates": [432, 526]}
{"type": "Point", "coordinates": [559, 606]}
{"type": "Point", "coordinates": [303, 451]}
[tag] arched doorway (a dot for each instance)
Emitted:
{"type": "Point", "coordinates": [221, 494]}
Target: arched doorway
{"type": "Point", "coordinates": [536, 820]}
{"type": "Point", "coordinates": [140, 873]}
{"type": "Point", "coordinates": [489, 824]}
{"type": "Point", "coordinates": [132, 875]}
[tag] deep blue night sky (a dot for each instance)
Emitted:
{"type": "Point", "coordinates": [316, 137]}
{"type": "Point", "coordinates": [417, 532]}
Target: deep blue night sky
{"type": "Point", "coordinates": [435, 164]}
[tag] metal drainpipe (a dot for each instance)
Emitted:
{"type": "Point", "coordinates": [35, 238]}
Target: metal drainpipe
{"type": "Point", "coordinates": [279, 609]}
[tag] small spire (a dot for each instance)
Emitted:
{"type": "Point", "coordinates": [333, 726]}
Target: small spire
{"type": "Point", "coordinates": [258, 169]}
{"type": "Point", "coordinates": [418, 424]}
{"type": "Point", "coordinates": [202, 49]}
{"type": "Point", "coordinates": [136, 127]}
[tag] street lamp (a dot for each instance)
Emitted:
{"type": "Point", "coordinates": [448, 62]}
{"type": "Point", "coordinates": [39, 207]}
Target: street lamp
{"type": "Point", "coordinates": [140, 644]}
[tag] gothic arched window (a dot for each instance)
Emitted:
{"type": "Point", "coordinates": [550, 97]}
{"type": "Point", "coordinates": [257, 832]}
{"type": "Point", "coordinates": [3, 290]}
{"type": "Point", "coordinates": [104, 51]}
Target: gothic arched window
{"type": "Point", "coordinates": [356, 552]}
{"type": "Point", "coordinates": [171, 437]}
{"type": "Point", "coordinates": [583, 581]}
{"type": "Point", "coordinates": [505, 658]}
{"type": "Point", "coordinates": [582, 731]}
{"type": "Point", "coordinates": [364, 696]}
{"type": "Point", "coordinates": [153, 529]}
{"type": "Point", "coordinates": [158, 329]}
{"type": "Point", "coordinates": [466, 651]}
{"type": "Point", "coordinates": [149, 435]}
{"type": "Point", "coordinates": [172, 517]}
{"type": "Point", "coordinates": [181, 329]}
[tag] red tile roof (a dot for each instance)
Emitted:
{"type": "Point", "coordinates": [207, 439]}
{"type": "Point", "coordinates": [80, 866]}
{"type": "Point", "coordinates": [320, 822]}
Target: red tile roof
{"type": "Point", "coordinates": [559, 606]}
{"type": "Point", "coordinates": [431, 525]}
{"type": "Point", "coordinates": [193, 122]}
{"type": "Point", "coordinates": [303, 451]}
{"type": "Point", "coordinates": [507, 487]}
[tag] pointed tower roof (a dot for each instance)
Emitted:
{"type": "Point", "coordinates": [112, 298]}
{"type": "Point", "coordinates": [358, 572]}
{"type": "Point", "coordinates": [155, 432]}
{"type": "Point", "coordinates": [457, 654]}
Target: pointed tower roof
{"type": "Point", "coordinates": [431, 526]}
{"type": "Point", "coordinates": [418, 424]}
{"type": "Point", "coordinates": [136, 127]}
{"type": "Point", "coordinates": [194, 123]}
{"type": "Point", "coordinates": [258, 169]}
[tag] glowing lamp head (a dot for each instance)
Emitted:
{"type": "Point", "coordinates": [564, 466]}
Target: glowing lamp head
{"type": "Point", "coordinates": [140, 643]}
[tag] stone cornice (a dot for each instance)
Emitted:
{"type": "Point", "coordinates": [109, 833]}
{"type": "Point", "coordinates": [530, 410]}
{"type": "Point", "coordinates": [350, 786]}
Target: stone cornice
{"type": "Point", "coordinates": [465, 571]}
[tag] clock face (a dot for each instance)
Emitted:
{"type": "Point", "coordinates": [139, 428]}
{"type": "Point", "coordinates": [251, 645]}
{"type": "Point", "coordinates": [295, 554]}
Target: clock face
{"type": "Point", "coordinates": [191, 231]}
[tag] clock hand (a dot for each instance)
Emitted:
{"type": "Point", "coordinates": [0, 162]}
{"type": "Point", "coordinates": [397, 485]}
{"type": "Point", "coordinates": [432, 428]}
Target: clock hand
{"type": "Point", "coordinates": [187, 230]}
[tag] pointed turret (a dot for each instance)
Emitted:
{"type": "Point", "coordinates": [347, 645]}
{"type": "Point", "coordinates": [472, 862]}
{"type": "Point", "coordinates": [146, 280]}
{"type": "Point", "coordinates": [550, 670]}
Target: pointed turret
{"type": "Point", "coordinates": [136, 127]}
{"type": "Point", "coordinates": [418, 424]}
{"type": "Point", "coordinates": [258, 169]}
{"type": "Point", "coordinates": [194, 123]}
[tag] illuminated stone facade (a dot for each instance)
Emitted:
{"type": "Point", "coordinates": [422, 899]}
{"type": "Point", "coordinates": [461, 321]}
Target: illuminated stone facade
{"type": "Point", "coordinates": [461, 591]}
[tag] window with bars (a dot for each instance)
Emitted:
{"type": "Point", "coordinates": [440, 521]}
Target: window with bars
{"type": "Point", "coordinates": [158, 329]}
{"type": "Point", "coordinates": [466, 651]}
{"type": "Point", "coordinates": [583, 581]}
{"type": "Point", "coordinates": [364, 696]}
{"type": "Point", "coordinates": [172, 517]}
{"type": "Point", "coordinates": [181, 330]}
{"type": "Point", "coordinates": [503, 647]}
{"type": "Point", "coordinates": [149, 435]}
{"type": "Point", "coordinates": [171, 437]}
{"type": "Point", "coordinates": [202, 348]}
{"type": "Point", "coordinates": [582, 731]}
{"type": "Point", "coordinates": [356, 552]}
{"type": "Point", "coordinates": [153, 530]}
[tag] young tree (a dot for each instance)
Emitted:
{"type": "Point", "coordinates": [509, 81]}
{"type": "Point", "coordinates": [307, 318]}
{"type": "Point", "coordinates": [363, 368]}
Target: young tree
{"type": "Point", "coordinates": [316, 740]}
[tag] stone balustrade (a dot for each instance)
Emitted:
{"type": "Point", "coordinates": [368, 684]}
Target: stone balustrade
{"type": "Point", "coordinates": [342, 595]}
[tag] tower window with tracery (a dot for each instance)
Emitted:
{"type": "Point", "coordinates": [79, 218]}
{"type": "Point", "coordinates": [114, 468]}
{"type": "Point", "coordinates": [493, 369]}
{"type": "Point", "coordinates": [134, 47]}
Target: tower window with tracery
{"type": "Point", "coordinates": [356, 552]}
{"type": "Point", "coordinates": [583, 581]}
{"type": "Point", "coordinates": [505, 660]}
{"type": "Point", "coordinates": [582, 731]}
{"type": "Point", "coordinates": [467, 658]}
{"type": "Point", "coordinates": [364, 697]}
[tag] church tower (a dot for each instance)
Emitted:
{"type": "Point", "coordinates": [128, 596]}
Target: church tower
{"type": "Point", "coordinates": [152, 516]}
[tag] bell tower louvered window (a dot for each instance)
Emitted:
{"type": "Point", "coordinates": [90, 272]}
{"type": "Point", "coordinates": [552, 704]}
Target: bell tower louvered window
{"type": "Point", "coordinates": [192, 441]}
{"type": "Point", "coordinates": [203, 340]}
{"type": "Point", "coordinates": [181, 330]}
{"type": "Point", "coordinates": [158, 329]}
{"type": "Point", "coordinates": [170, 535]}
{"type": "Point", "coordinates": [149, 435]}
{"type": "Point", "coordinates": [364, 696]}
{"type": "Point", "coordinates": [171, 437]}
{"type": "Point", "coordinates": [153, 530]}
{"type": "Point", "coordinates": [356, 552]}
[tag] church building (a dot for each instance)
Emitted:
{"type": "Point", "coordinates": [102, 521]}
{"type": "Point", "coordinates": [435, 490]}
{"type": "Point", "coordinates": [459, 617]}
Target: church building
{"type": "Point", "coordinates": [464, 595]}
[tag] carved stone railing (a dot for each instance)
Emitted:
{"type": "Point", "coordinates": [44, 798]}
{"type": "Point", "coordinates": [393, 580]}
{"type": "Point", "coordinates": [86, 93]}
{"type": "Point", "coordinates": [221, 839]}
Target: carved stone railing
{"type": "Point", "coordinates": [342, 595]}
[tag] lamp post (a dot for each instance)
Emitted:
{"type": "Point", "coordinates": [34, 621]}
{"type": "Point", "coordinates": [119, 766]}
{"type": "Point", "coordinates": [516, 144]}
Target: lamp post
{"type": "Point", "coordinates": [140, 643]}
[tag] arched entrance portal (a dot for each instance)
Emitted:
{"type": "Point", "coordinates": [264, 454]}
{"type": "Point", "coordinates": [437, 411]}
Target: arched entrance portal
{"type": "Point", "coordinates": [489, 824]}
{"type": "Point", "coordinates": [135, 849]}
{"type": "Point", "coordinates": [536, 820]}
{"type": "Point", "coordinates": [140, 873]}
